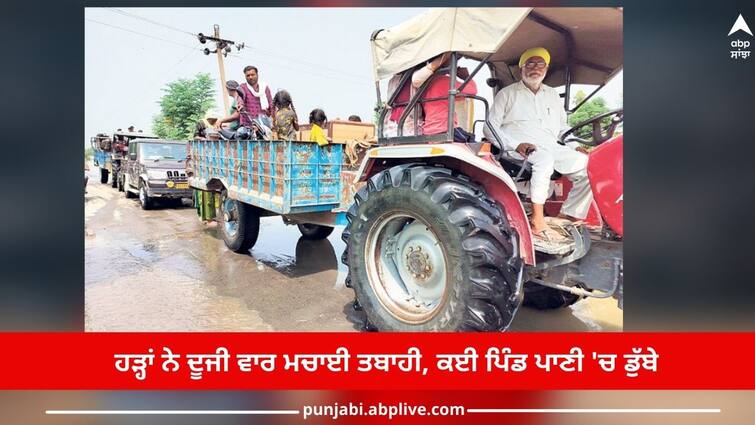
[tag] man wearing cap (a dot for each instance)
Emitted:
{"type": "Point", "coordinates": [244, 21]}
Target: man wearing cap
{"type": "Point", "coordinates": [529, 117]}
{"type": "Point", "coordinates": [232, 88]}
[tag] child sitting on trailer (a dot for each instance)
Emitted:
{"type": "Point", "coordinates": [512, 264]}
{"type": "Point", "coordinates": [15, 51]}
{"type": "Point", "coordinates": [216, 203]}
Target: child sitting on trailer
{"type": "Point", "coordinates": [285, 123]}
{"type": "Point", "coordinates": [318, 120]}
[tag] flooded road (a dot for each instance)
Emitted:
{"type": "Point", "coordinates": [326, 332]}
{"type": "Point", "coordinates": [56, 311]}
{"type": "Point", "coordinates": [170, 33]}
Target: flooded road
{"type": "Point", "coordinates": [164, 270]}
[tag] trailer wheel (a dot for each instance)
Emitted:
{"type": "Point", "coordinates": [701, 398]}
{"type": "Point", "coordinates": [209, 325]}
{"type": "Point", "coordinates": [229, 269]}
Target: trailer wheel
{"type": "Point", "coordinates": [314, 231]}
{"type": "Point", "coordinates": [428, 250]}
{"type": "Point", "coordinates": [144, 199]}
{"type": "Point", "coordinates": [239, 224]}
{"type": "Point", "coordinates": [545, 298]}
{"type": "Point", "coordinates": [103, 175]}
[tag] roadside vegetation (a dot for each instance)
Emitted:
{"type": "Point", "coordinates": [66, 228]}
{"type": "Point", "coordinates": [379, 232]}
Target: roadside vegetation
{"type": "Point", "coordinates": [591, 108]}
{"type": "Point", "coordinates": [184, 103]}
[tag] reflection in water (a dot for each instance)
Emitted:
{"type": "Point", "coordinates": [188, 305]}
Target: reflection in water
{"type": "Point", "coordinates": [314, 257]}
{"type": "Point", "coordinates": [282, 248]}
{"type": "Point", "coordinates": [309, 257]}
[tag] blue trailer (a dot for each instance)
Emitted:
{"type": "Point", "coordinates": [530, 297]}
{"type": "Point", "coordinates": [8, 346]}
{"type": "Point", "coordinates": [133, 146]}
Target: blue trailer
{"type": "Point", "coordinates": [301, 181]}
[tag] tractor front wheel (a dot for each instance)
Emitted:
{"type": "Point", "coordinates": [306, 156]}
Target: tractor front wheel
{"type": "Point", "coordinates": [428, 250]}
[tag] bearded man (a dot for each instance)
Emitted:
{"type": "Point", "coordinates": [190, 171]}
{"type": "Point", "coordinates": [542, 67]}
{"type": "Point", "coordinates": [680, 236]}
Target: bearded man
{"type": "Point", "coordinates": [529, 117]}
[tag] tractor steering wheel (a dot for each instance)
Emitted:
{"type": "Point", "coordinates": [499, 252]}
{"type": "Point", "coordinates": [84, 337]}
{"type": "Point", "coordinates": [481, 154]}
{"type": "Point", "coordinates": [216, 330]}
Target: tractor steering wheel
{"type": "Point", "coordinates": [599, 134]}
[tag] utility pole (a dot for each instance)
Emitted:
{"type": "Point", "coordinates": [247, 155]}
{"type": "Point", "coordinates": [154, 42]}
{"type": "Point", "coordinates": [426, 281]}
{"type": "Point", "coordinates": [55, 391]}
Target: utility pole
{"type": "Point", "coordinates": [222, 48]}
{"type": "Point", "coordinates": [221, 67]}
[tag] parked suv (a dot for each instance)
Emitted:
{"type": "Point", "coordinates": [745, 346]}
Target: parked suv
{"type": "Point", "coordinates": [156, 169]}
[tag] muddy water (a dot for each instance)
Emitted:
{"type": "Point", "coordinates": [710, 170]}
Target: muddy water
{"type": "Point", "coordinates": [163, 270]}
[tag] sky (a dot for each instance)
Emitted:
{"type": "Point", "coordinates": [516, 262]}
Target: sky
{"type": "Point", "coordinates": [320, 55]}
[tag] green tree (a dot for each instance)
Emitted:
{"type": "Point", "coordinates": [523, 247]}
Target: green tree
{"type": "Point", "coordinates": [591, 108]}
{"type": "Point", "coordinates": [184, 103]}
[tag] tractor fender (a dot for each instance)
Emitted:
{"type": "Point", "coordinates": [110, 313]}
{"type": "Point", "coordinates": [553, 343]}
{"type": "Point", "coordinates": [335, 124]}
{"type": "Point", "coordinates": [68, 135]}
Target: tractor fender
{"type": "Point", "coordinates": [482, 168]}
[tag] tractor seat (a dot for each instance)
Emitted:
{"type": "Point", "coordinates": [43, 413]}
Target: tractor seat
{"type": "Point", "coordinates": [513, 167]}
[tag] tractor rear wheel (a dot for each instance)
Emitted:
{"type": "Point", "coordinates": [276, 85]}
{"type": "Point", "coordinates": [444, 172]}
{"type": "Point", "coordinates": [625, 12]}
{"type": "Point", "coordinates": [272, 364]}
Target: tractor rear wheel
{"type": "Point", "coordinates": [428, 250]}
{"type": "Point", "coordinates": [239, 224]}
{"type": "Point", "coordinates": [314, 231]}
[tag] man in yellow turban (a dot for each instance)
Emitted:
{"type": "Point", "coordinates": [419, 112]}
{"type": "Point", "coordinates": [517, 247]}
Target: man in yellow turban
{"type": "Point", "coordinates": [538, 52]}
{"type": "Point", "coordinates": [529, 118]}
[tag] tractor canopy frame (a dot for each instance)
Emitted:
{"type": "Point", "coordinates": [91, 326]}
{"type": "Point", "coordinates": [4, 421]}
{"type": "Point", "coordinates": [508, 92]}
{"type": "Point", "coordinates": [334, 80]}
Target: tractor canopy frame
{"type": "Point", "coordinates": [585, 46]}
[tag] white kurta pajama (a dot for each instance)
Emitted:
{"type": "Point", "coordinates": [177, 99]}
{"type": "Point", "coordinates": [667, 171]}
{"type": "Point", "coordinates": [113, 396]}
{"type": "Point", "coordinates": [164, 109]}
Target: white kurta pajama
{"type": "Point", "coordinates": [520, 116]}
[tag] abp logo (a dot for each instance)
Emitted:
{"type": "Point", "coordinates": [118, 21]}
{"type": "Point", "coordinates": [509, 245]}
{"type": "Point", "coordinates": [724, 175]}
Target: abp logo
{"type": "Point", "coordinates": [740, 48]}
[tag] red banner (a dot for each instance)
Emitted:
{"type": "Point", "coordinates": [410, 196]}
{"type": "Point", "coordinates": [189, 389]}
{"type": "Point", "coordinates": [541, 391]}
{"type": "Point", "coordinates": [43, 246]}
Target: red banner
{"type": "Point", "coordinates": [509, 361]}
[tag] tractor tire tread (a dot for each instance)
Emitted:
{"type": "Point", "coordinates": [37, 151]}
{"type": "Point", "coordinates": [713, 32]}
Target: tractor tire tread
{"type": "Point", "coordinates": [493, 292]}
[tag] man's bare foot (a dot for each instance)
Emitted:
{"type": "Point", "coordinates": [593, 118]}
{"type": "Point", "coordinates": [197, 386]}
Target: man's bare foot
{"type": "Point", "coordinates": [539, 228]}
{"type": "Point", "coordinates": [548, 234]}
{"type": "Point", "coordinates": [538, 224]}
{"type": "Point", "coordinates": [538, 219]}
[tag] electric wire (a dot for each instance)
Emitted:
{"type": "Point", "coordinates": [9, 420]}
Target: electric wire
{"type": "Point", "coordinates": [345, 76]}
{"type": "Point", "coordinates": [132, 15]}
{"type": "Point", "coordinates": [143, 34]}
{"type": "Point", "coordinates": [350, 80]}
{"type": "Point", "coordinates": [258, 49]}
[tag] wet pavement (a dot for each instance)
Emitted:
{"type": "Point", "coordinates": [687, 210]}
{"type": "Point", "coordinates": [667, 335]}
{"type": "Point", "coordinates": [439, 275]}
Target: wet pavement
{"type": "Point", "coordinates": [164, 270]}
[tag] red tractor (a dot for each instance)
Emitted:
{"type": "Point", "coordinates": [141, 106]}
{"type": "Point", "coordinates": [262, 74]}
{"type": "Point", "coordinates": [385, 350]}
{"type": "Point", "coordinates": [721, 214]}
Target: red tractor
{"type": "Point", "coordinates": [439, 237]}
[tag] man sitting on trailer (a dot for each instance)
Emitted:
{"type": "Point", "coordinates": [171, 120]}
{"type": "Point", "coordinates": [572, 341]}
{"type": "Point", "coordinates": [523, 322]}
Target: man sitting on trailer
{"type": "Point", "coordinates": [232, 119]}
{"type": "Point", "coordinates": [529, 117]}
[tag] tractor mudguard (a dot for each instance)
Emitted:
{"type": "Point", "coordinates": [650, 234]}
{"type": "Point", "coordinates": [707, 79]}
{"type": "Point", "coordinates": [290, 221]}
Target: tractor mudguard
{"type": "Point", "coordinates": [481, 168]}
{"type": "Point", "coordinates": [605, 170]}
